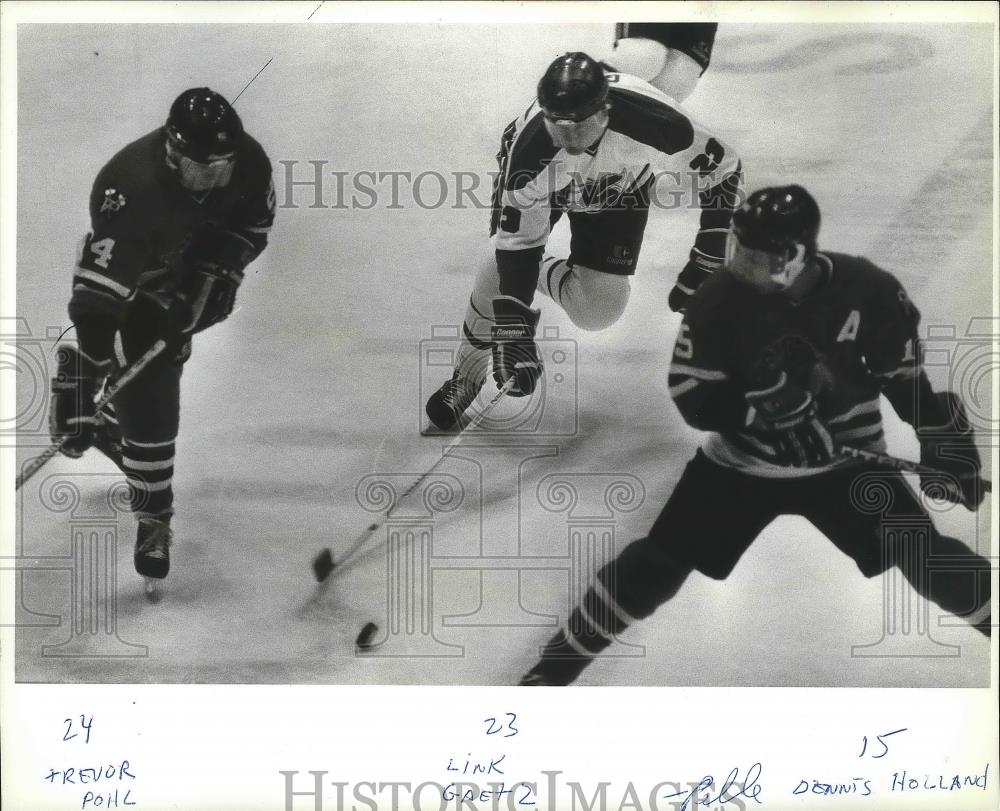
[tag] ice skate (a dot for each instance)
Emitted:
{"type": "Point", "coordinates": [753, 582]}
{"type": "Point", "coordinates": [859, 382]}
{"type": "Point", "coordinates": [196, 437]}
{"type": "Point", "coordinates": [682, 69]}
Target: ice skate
{"type": "Point", "coordinates": [152, 549]}
{"type": "Point", "coordinates": [533, 678]}
{"type": "Point", "coordinates": [555, 672]}
{"type": "Point", "coordinates": [559, 665]}
{"type": "Point", "coordinates": [446, 406]}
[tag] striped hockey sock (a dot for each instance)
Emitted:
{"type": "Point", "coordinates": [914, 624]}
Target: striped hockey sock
{"type": "Point", "coordinates": [554, 274]}
{"type": "Point", "coordinates": [149, 468]}
{"type": "Point", "coordinates": [592, 627]}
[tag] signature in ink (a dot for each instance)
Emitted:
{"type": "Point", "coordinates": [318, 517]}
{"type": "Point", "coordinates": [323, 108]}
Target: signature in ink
{"type": "Point", "coordinates": [729, 791]}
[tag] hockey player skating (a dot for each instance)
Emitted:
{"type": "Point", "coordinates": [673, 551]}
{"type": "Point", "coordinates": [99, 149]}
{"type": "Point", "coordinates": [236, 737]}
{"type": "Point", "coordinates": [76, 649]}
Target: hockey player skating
{"type": "Point", "coordinates": [176, 217]}
{"type": "Point", "coordinates": [782, 358]}
{"type": "Point", "coordinates": [591, 145]}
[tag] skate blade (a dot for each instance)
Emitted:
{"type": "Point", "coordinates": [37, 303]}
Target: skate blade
{"type": "Point", "coordinates": [433, 430]}
{"type": "Point", "coordinates": [430, 429]}
{"type": "Point", "coordinates": [152, 589]}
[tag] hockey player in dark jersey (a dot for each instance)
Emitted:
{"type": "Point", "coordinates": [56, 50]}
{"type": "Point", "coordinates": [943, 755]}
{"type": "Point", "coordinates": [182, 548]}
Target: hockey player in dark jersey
{"type": "Point", "coordinates": [591, 145]}
{"type": "Point", "coordinates": [176, 217]}
{"type": "Point", "coordinates": [782, 358]}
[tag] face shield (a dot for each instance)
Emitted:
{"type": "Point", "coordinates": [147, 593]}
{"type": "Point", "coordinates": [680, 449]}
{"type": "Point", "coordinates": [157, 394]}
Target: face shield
{"type": "Point", "coordinates": [767, 271]}
{"type": "Point", "coordinates": [204, 175]}
{"type": "Point", "coordinates": [577, 136]}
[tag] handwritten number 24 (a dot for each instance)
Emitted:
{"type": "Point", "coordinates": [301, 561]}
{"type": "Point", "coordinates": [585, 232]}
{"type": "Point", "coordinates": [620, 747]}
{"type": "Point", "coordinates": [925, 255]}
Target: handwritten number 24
{"type": "Point", "coordinates": [493, 726]}
{"type": "Point", "coordinates": [85, 725]}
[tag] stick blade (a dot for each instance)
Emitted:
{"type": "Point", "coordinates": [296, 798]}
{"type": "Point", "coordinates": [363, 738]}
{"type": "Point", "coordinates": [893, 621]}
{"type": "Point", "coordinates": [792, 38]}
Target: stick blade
{"type": "Point", "coordinates": [323, 565]}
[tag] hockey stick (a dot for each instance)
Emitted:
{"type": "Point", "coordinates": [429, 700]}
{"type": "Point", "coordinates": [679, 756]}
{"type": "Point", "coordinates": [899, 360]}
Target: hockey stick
{"type": "Point", "coordinates": [902, 465]}
{"type": "Point", "coordinates": [323, 564]}
{"type": "Point", "coordinates": [127, 377]}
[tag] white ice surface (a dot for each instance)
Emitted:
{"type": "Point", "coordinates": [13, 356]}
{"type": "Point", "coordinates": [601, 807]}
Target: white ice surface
{"type": "Point", "coordinates": [314, 381]}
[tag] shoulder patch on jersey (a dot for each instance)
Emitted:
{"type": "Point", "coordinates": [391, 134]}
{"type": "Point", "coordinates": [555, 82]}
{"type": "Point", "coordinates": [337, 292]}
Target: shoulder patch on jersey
{"type": "Point", "coordinates": [649, 121]}
{"type": "Point", "coordinates": [114, 201]}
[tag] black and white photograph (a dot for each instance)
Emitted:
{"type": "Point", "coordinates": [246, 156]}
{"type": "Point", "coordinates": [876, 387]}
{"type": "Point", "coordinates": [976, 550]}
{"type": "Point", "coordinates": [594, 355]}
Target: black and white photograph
{"type": "Point", "coordinates": [637, 346]}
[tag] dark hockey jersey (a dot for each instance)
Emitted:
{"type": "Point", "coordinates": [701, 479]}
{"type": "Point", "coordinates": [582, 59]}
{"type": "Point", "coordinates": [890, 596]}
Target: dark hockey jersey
{"type": "Point", "coordinates": [853, 334]}
{"type": "Point", "coordinates": [143, 220]}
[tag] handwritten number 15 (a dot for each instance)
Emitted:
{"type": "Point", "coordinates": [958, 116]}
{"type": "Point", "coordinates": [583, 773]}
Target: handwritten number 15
{"type": "Point", "coordinates": [882, 743]}
{"type": "Point", "coordinates": [85, 725]}
{"type": "Point", "coordinates": [493, 726]}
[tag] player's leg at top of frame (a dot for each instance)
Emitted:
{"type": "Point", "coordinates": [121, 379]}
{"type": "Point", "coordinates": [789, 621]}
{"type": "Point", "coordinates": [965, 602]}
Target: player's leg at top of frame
{"type": "Point", "coordinates": [670, 56]}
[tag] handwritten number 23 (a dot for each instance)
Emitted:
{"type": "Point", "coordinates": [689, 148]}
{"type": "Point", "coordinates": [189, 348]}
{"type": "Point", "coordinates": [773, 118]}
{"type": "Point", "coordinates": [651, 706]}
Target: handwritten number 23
{"type": "Point", "coordinates": [879, 738]}
{"type": "Point", "coordinates": [85, 725]}
{"type": "Point", "coordinates": [493, 726]}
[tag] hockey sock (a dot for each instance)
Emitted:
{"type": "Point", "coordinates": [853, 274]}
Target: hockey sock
{"type": "Point", "coordinates": [554, 274]}
{"type": "Point", "coordinates": [475, 350]}
{"type": "Point", "coordinates": [108, 435]}
{"type": "Point", "coordinates": [592, 627]}
{"type": "Point", "coordinates": [149, 468]}
{"type": "Point", "coordinates": [961, 587]}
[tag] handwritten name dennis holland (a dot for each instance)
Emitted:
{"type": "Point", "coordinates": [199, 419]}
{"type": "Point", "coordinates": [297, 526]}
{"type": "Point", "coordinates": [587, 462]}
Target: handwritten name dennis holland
{"type": "Point", "coordinates": [734, 793]}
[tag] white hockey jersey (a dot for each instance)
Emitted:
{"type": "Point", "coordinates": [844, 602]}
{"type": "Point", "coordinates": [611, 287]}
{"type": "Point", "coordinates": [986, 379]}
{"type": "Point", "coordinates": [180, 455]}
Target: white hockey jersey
{"type": "Point", "coordinates": [649, 137]}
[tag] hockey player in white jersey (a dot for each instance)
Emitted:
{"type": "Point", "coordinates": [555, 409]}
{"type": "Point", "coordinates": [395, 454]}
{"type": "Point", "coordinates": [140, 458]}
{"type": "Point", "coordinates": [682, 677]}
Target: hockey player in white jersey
{"type": "Point", "coordinates": [591, 145]}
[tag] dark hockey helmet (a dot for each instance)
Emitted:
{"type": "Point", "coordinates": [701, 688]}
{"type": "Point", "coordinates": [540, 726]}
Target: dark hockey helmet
{"type": "Point", "coordinates": [773, 236]}
{"type": "Point", "coordinates": [573, 88]}
{"type": "Point", "coordinates": [203, 126]}
{"type": "Point", "coordinates": [777, 218]}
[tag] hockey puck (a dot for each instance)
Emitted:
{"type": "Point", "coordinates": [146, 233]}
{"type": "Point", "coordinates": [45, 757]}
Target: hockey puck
{"type": "Point", "coordinates": [323, 564]}
{"type": "Point", "coordinates": [373, 527]}
{"type": "Point", "coordinates": [367, 635]}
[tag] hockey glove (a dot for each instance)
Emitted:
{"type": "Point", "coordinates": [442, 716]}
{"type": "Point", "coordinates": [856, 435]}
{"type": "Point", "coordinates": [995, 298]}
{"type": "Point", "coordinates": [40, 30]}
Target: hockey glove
{"type": "Point", "coordinates": [951, 448]}
{"type": "Point", "coordinates": [207, 298]}
{"type": "Point", "coordinates": [514, 351]}
{"type": "Point", "coordinates": [690, 279]}
{"type": "Point", "coordinates": [72, 417]}
{"type": "Point", "coordinates": [785, 416]}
